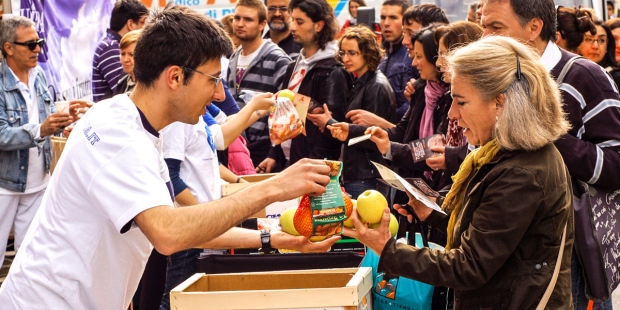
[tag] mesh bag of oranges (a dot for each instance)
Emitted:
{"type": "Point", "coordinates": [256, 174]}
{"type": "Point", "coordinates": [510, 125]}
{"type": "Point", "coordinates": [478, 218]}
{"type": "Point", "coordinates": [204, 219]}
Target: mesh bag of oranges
{"type": "Point", "coordinates": [324, 215]}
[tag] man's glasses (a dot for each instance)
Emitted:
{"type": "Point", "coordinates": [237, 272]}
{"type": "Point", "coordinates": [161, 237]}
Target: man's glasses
{"type": "Point", "coordinates": [273, 9]}
{"type": "Point", "coordinates": [349, 53]}
{"type": "Point", "coordinates": [32, 44]}
{"type": "Point", "coordinates": [217, 80]}
{"type": "Point", "coordinates": [600, 41]}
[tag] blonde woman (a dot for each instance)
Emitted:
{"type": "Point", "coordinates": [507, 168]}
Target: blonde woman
{"type": "Point", "coordinates": [512, 198]}
{"type": "Point", "coordinates": [127, 45]}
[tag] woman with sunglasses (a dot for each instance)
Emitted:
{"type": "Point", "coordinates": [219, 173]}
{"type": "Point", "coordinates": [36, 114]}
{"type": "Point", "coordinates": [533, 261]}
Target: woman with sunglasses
{"type": "Point", "coordinates": [601, 49]}
{"type": "Point", "coordinates": [361, 54]}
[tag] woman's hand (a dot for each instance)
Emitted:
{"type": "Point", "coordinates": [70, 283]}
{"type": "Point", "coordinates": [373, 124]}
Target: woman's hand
{"type": "Point", "coordinates": [374, 239]}
{"type": "Point", "coordinates": [409, 89]}
{"type": "Point", "coordinates": [339, 131]}
{"type": "Point", "coordinates": [380, 137]}
{"type": "Point", "coordinates": [437, 162]}
{"type": "Point", "coordinates": [420, 209]}
{"type": "Point", "coordinates": [320, 120]}
{"type": "Point", "coordinates": [262, 101]}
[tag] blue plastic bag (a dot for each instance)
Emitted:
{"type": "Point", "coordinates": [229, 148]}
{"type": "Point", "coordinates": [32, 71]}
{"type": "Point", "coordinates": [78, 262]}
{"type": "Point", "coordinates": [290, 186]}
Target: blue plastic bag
{"type": "Point", "coordinates": [392, 292]}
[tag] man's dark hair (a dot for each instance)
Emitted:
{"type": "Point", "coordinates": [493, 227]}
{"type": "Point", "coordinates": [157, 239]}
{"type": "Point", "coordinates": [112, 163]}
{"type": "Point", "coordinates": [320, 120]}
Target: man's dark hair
{"type": "Point", "coordinates": [177, 36]}
{"type": "Point", "coordinates": [403, 4]}
{"type": "Point", "coordinates": [318, 10]}
{"type": "Point", "coordinates": [425, 14]}
{"type": "Point", "coordinates": [125, 10]}
{"type": "Point", "coordinates": [526, 10]}
{"type": "Point", "coordinates": [258, 5]}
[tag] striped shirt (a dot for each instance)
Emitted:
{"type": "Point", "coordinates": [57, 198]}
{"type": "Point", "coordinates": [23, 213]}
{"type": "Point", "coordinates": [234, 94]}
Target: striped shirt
{"type": "Point", "coordinates": [107, 68]}
{"type": "Point", "coordinates": [592, 103]}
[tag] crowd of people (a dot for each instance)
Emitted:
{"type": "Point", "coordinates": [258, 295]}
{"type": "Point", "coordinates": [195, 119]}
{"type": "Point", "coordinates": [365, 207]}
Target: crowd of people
{"type": "Point", "coordinates": [524, 92]}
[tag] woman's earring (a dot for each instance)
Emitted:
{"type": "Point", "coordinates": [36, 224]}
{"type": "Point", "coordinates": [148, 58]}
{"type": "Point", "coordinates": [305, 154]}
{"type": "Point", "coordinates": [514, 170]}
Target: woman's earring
{"type": "Point", "coordinates": [496, 118]}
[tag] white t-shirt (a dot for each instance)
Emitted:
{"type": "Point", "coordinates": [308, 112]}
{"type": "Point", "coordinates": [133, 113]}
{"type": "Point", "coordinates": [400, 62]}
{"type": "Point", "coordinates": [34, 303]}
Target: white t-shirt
{"type": "Point", "coordinates": [36, 178]}
{"type": "Point", "coordinates": [244, 61]}
{"type": "Point", "coordinates": [194, 146]}
{"type": "Point", "coordinates": [83, 250]}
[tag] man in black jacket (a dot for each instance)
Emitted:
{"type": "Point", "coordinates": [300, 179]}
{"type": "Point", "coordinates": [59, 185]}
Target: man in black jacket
{"type": "Point", "coordinates": [314, 73]}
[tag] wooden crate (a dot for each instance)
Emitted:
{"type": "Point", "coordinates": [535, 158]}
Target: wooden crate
{"type": "Point", "coordinates": [343, 289]}
{"type": "Point", "coordinates": [58, 144]}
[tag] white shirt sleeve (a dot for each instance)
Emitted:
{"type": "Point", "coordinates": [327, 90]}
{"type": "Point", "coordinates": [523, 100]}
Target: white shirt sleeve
{"type": "Point", "coordinates": [130, 183]}
{"type": "Point", "coordinates": [218, 137]}
{"type": "Point", "coordinates": [174, 139]}
{"type": "Point", "coordinates": [220, 118]}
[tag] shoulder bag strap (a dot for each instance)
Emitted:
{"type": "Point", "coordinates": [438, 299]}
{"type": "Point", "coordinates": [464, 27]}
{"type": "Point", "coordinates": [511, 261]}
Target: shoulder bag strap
{"type": "Point", "coordinates": [556, 272]}
{"type": "Point", "coordinates": [566, 68]}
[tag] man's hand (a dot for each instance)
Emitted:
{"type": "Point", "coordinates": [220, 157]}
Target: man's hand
{"type": "Point", "coordinates": [54, 122]}
{"type": "Point", "coordinates": [339, 131]}
{"type": "Point", "coordinates": [266, 166]}
{"type": "Point", "coordinates": [380, 137]}
{"type": "Point", "coordinates": [262, 101]}
{"type": "Point", "coordinates": [438, 162]}
{"type": "Point", "coordinates": [367, 119]}
{"type": "Point", "coordinates": [306, 177]}
{"type": "Point", "coordinates": [409, 90]}
{"type": "Point", "coordinates": [420, 209]}
{"type": "Point", "coordinates": [374, 239]}
{"type": "Point", "coordinates": [67, 131]}
{"type": "Point", "coordinates": [282, 240]}
{"type": "Point", "coordinates": [320, 120]}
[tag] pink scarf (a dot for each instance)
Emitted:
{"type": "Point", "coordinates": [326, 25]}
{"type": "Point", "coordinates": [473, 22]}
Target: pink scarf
{"type": "Point", "coordinates": [433, 91]}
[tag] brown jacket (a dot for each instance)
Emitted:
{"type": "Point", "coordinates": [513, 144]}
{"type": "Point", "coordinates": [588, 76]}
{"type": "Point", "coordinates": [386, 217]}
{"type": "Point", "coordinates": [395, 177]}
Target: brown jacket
{"type": "Point", "coordinates": [507, 239]}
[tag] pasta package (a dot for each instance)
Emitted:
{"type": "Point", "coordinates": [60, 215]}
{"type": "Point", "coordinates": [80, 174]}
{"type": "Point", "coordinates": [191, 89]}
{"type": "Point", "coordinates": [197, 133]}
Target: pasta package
{"type": "Point", "coordinates": [284, 121]}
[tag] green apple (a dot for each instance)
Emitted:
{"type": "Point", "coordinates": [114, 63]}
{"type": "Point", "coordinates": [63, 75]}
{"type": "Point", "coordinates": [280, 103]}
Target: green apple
{"type": "Point", "coordinates": [287, 93]}
{"type": "Point", "coordinates": [286, 221]}
{"type": "Point", "coordinates": [393, 225]}
{"type": "Point", "coordinates": [370, 206]}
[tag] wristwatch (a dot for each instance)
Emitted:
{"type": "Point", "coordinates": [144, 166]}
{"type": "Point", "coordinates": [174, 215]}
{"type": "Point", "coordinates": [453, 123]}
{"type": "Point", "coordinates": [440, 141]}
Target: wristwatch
{"type": "Point", "coordinates": [265, 239]}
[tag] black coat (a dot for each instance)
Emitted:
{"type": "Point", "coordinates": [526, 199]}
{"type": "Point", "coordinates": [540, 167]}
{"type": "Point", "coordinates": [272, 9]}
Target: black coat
{"type": "Point", "coordinates": [372, 92]}
{"type": "Point", "coordinates": [326, 82]}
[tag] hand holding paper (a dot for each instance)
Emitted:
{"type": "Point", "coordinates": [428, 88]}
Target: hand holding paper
{"type": "Point", "coordinates": [396, 181]}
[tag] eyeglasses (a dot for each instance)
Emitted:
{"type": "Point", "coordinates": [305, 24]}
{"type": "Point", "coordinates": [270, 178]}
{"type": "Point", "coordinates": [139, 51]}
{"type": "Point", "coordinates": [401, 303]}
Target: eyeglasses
{"type": "Point", "coordinates": [349, 53]}
{"type": "Point", "coordinates": [217, 80]}
{"type": "Point", "coordinates": [600, 41]}
{"type": "Point", "coordinates": [273, 9]}
{"type": "Point", "coordinates": [32, 44]}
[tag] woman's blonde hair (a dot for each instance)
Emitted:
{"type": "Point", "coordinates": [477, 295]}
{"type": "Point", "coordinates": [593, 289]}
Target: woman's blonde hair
{"type": "Point", "coordinates": [532, 116]}
{"type": "Point", "coordinates": [129, 38]}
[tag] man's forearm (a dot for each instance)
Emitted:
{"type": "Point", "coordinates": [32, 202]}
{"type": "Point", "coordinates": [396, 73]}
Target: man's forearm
{"type": "Point", "coordinates": [235, 238]}
{"type": "Point", "coordinates": [174, 229]}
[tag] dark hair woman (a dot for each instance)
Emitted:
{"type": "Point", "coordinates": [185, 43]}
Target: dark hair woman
{"type": "Point", "coordinates": [601, 49]}
{"type": "Point", "coordinates": [360, 53]}
{"type": "Point", "coordinates": [428, 108]}
{"type": "Point", "coordinates": [614, 25]}
{"type": "Point", "coordinates": [572, 26]}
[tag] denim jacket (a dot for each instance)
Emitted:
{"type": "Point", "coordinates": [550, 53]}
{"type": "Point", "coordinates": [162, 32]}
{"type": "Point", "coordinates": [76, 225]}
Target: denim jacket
{"type": "Point", "coordinates": [396, 66]}
{"type": "Point", "coordinates": [16, 134]}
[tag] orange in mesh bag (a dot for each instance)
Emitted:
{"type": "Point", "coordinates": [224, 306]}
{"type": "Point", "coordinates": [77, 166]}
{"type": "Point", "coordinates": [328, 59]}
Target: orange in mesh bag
{"type": "Point", "coordinates": [284, 121]}
{"type": "Point", "coordinates": [303, 216]}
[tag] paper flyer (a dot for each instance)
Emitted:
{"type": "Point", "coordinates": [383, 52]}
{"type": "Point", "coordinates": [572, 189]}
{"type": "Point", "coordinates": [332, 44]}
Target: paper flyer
{"type": "Point", "coordinates": [397, 182]}
{"type": "Point", "coordinates": [359, 139]}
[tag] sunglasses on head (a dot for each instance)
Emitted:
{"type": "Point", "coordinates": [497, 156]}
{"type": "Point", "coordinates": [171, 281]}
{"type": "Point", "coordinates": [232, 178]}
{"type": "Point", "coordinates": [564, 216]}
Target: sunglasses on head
{"type": "Point", "coordinates": [32, 44]}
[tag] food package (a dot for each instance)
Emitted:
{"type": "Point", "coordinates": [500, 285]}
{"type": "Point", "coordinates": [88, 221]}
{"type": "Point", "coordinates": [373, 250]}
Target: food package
{"type": "Point", "coordinates": [324, 215]}
{"type": "Point", "coordinates": [284, 121]}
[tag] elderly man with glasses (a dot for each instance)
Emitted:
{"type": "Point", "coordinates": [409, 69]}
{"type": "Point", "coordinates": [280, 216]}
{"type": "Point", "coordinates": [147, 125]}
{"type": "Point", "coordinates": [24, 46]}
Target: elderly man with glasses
{"type": "Point", "coordinates": [28, 118]}
{"type": "Point", "coordinates": [278, 18]}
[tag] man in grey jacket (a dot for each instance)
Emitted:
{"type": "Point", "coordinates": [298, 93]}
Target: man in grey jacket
{"type": "Point", "coordinates": [257, 65]}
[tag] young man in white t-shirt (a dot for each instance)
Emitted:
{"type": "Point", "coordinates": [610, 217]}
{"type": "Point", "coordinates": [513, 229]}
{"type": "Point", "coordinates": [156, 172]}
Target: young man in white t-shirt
{"type": "Point", "coordinates": [110, 200]}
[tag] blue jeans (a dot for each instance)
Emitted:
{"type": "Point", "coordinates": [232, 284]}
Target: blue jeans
{"type": "Point", "coordinates": [580, 301]}
{"type": "Point", "coordinates": [356, 188]}
{"type": "Point", "coordinates": [181, 266]}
